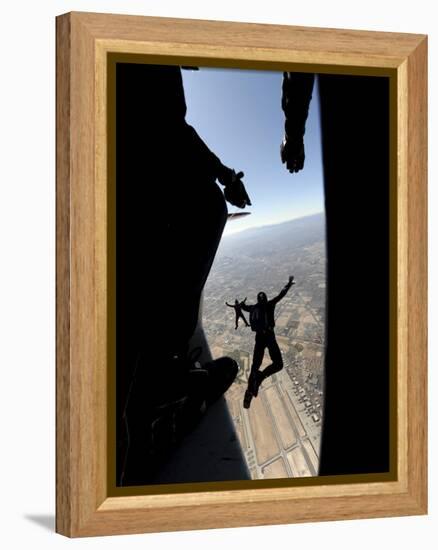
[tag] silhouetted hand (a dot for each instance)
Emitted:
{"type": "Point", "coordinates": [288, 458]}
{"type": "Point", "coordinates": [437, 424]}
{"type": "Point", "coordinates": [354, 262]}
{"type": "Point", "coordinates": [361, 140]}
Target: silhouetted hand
{"type": "Point", "coordinates": [235, 192]}
{"type": "Point", "coordinates": [291, 280]}
{"type": "Point", "coordinates": [292, 154]}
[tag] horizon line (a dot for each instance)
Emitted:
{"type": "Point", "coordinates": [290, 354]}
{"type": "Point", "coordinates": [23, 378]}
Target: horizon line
{"type": "Point", "coordinates": [272, 224]}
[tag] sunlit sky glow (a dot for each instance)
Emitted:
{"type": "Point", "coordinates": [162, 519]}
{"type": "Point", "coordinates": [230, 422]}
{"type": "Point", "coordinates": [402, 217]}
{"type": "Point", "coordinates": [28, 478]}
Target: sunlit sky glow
{"type": "Point", "coordinates": [238, 114]}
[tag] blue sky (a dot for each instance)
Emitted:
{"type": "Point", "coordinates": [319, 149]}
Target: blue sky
{"type": "Point", "coordinates": [238, 114]}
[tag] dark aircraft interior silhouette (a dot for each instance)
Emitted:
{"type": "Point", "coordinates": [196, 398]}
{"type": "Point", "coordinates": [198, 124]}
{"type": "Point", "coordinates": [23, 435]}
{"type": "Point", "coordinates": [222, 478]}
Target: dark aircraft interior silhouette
{"type": "Point", "coordinates": [162, 264]}
{"type": "Point", "coordinates": [355, 123]}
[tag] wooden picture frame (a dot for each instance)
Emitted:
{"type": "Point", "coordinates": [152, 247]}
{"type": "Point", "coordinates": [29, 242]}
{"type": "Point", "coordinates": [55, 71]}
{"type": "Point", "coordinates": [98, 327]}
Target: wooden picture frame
{"type": "Point", "coordinates": [84, 40]}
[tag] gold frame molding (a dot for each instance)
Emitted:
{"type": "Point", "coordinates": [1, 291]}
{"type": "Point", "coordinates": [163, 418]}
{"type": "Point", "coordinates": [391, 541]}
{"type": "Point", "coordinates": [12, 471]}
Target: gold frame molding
{"type": "Point", "coordinates": [85, 505]}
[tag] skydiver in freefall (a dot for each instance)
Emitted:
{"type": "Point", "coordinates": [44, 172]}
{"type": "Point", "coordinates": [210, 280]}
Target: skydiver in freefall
{"type": "Point", "coordinates": [261, 317]}
{"type": "Point", "coordinates": [237, 306]}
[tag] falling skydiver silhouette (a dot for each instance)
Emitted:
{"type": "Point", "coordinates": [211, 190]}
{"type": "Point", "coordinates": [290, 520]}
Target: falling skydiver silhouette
{"type": "Point", "coordinates": [170, 216]}
{"type": "Point", "coordinates": [238, 310]}
{"type": "Point", "coordinates": [261, 317]}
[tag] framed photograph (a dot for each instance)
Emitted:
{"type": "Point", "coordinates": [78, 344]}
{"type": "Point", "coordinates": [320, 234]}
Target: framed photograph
{"type": "Point", "coordinates": [241, 274]}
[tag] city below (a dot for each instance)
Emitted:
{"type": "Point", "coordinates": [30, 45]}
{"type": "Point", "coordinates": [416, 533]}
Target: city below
{"type": "Point", "coordinates": [280, 432]}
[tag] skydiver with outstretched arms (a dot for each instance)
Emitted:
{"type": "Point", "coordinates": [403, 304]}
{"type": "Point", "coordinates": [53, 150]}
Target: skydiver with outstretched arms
{"type": "Point", "coordinates": [261, 318]}
{"type": "Point", "coordinates": [237, 306]}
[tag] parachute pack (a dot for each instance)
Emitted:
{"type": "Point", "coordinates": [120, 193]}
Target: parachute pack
{"type": "Point", "coordinates": [258, 318]}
